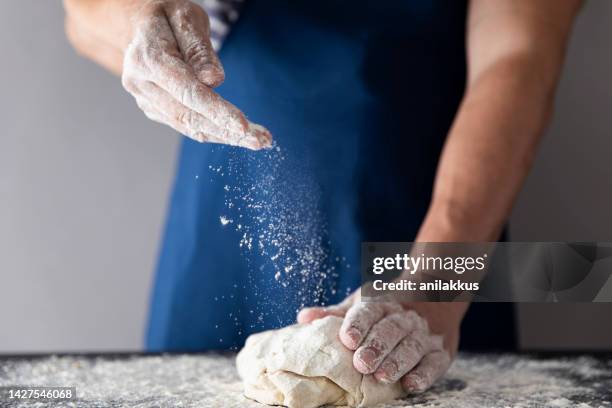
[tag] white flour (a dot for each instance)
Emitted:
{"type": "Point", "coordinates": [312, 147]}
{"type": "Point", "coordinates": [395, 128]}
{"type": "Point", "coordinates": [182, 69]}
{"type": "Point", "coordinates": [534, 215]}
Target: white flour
{"type": "Point", "coordinates": [277, 217]}
{"type": "Point", "coordinates": [211, 381]}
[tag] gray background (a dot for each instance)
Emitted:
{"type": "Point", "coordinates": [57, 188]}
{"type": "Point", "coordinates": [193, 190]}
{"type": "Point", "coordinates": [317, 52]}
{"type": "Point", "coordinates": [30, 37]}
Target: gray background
{"type": "Point", "coordinates": [84, 179]}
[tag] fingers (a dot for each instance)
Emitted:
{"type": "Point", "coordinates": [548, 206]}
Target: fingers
{"type": "Point", "coordinates": [360, 318]}
{"type": "Point", "coordinates": [156, 53]}
{"type": "Point", "coordinates": [191, 123]}
{"type": "Point", "coordinates": [178, 97]}
{"type": "Point", "coordinates": [178, 116]}
{"type": "Point", "coordinates": [173, 75]}
{"type": "Point", "coordinates": [175, 122]}
{"type": "Point", "coordinates": [260, 134]}
{"type": "Point", "coordinates": [156, 56]}
{"type": "Point", "coordinates": [407, 355]}
{"type": "Point", "coordinates": [191, 29]}
{"type": "Point", "coordinates": [382, 339]}
{"type": "Point", "coordinates": [233, 126]}
{"type": "Point", "coordinates": [431, 367]}
{"type": "Point", "coordinates": [392, 343]}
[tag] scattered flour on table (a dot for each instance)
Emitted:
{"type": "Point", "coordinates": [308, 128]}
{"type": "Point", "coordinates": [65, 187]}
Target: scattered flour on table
{"type": "Point", "coordinates": [212, 381]}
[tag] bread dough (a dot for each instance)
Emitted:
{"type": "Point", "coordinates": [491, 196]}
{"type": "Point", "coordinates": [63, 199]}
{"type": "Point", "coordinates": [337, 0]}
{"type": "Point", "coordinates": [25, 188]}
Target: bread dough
{"type": "Point", "coordinates": [306, 366]}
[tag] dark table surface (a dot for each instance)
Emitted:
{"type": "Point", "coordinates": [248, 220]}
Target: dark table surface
{"type": "Point", "coordinates": [210, 380]}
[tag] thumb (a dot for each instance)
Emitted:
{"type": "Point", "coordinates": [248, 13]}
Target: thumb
{"type": "Point", "coordinates": [308, 314]}
{"type": "Point", "coordinates": [191, 29]}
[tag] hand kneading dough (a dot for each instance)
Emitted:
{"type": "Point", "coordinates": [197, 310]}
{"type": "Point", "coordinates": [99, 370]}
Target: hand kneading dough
{"type": "Point", "coordinates": [306, 366]}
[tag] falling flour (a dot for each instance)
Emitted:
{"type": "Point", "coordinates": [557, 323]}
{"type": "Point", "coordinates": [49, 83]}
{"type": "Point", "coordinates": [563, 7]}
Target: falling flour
{"type": "Point", "coordinates": [275, 212]}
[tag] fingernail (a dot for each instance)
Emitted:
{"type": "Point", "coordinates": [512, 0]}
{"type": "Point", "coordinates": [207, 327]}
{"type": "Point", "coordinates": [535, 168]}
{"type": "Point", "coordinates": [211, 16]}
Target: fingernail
{"type": "Point", "coordinates": [354, 335]}
{"type": "Point", "coordinates": [302, 313]}
{"type": "Point", "coordinates": [415, 383]}
{"type": "Point", "coordinates": [368, 356]}
{"type": "Point", "coordinates": [210, 75]}
{"type": "Point", "coordinates": [386, 372]}
{"type": "Point", "coordinates": [260, 134]}
{"type": "Point", "coordinates": [265, 138]}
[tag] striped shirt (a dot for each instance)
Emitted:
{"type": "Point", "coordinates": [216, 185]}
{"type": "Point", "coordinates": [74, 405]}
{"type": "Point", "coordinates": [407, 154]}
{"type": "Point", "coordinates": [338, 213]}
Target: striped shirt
{"type": "Point", "coordinates": [222, 14]}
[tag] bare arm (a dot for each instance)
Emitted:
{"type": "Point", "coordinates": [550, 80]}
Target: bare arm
{"type": "Point", "coordinates": [515, 53]}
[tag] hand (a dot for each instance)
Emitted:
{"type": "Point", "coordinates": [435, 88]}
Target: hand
{"type": "Point", "coordinates": [413, 343]}
{"type": "Point", "coordinates": [170, 68]}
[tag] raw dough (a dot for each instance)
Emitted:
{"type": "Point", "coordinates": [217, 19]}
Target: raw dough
{"type": "Point", "coordinates": [306, 366]}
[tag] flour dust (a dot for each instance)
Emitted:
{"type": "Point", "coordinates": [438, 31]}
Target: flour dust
{"type": "Point", "coordinates": [273, 204]}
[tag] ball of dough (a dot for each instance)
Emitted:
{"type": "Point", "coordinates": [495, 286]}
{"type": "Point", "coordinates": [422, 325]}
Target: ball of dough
{"type": "Point", "coordinates": [306, 366]}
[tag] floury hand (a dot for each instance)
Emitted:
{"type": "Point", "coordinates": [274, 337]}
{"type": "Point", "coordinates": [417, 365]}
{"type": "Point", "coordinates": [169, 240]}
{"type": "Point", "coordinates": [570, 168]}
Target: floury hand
{"type": "Point", "coordinates": [170, 68]}
{"type": "Point", "coordinates": [413, 343]}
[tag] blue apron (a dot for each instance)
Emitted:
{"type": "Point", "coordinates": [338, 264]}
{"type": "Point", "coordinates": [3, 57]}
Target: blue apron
{"type": "Point", "coordinates": [359, 97]}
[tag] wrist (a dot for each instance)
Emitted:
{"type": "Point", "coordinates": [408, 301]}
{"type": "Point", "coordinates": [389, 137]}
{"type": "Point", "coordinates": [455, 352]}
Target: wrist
{"type": "Point", "coordinates": [443, 318]}
{"type": "Point", "coordinates": [134, 12]}
{"type": "Point", "coordinates": [110, 22]}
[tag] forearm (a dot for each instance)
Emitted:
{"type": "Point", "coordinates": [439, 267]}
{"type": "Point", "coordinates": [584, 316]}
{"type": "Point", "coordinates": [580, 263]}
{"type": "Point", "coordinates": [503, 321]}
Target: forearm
{"type": "Point", "coordinates": [485, 160]}
{"type": "Point", "coordinates": [489, 151]}
{"type": "Point", "coordinates": [515, 51]}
